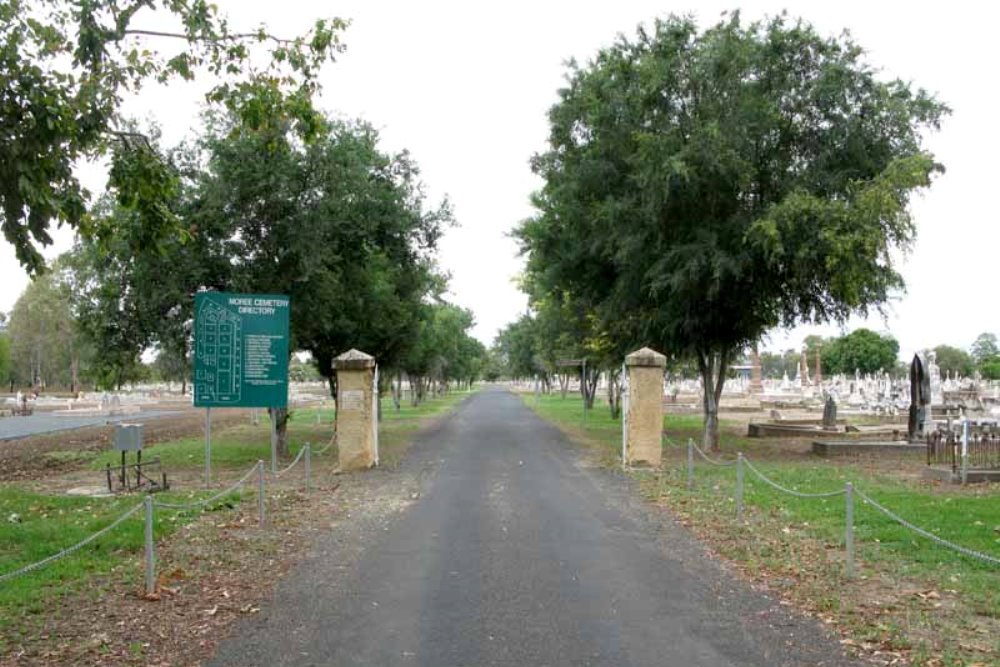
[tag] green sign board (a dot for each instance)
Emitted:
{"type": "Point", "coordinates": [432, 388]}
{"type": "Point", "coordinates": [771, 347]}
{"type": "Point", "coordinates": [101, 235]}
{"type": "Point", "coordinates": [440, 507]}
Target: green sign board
{"type": "Point", "coordinates": [240, 350]}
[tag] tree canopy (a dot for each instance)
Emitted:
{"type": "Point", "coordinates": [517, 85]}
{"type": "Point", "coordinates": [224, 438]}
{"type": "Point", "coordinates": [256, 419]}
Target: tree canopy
{"type": "Point", "coordinates": [68, 65]}
{"type": "Point", "coordinates": [703, 187]}
{"type": "Point", "coordinates": [862, 350]}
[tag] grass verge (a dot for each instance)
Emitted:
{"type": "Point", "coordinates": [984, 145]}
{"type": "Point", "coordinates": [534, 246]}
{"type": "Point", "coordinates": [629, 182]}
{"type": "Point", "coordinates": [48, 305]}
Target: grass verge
{"type": "Point", "coordinates": [913, 602]}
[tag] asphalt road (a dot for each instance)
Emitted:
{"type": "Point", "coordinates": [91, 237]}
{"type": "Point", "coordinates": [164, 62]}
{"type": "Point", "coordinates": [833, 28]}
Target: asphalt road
{"type": "Point", "coordinates": [514, 553]}
{"type": "Point", "coordinates": [47, 422]}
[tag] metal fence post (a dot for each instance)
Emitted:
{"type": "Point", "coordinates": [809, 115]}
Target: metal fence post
{"type": "Point", "coordinates": [260, 491]}
{"type": "Point", "coordinates": [308, 465]}
{"type": "Point", "coordinates": [739, 486]}
{"type": "Point", "coordinates": [849, 529]}
{"type": "Point", "coordinates": [150, 554]}
{"type": "Point", "coordinates": [690, 464]}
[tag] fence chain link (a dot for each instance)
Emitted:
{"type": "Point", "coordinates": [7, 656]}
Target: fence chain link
{"type": "Point", "coordinates": [324, 449]}
{"type": "Point", "coordinates": [302, 450]}
{"type": "Point", "coordinates": [965, 551]}
{"type": "Point", "coordinates": [779, 487]}
{"type": "Point", "coordinates": [210, 499]}
{"type": "Point", "coordinates": [710, 459]}
{"type": "Point", "coordinates": [67, 551]}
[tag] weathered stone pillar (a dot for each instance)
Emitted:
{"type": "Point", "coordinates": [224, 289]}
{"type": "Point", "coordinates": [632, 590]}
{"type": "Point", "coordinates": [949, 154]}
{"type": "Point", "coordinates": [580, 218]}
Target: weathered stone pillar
{"type": "Point", "coordinates": [356, 444]}
{"type": "Point", "coordinates": [645, 407]}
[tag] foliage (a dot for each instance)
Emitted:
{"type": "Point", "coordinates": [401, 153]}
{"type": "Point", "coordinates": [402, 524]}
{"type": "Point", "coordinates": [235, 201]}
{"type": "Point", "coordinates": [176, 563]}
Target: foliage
{"type": "Point", "coordinates": [702, 188]}
{"type": "Point", "coordinates": [985, 350]}
{"type": "Point", "coordinates": [45, 342]}
{"type": "Point", "coordinates": [990, 368]}
{"type": "Point", "coordinates": [443, 349]}
{"type": "Point", "coordinates": [67, 67]}
{"type": "Point", "coordinates": [775, 365]}
{"type": "Point", "coordinates": [954, 360]}
{"type": "Point", "coordinates": [5, 360]}
{"type": "Point", "coordinates": [302, 371]}
{"type": "Point", "coordinates": [861, 350]}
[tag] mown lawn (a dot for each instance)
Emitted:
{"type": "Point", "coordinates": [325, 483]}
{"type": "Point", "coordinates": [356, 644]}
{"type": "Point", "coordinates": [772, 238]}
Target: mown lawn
{"type": "Point", "coordinates": [34, 526]}
{"type": "Point", "coordinates": [911, 595]}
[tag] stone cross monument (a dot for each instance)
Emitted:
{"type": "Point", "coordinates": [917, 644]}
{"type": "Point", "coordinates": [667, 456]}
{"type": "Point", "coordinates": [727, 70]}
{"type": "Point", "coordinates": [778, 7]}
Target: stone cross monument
{"type": "Point", "coordinates": [644, 430]}
{"type": "Point", "coordinates": [356, 412]}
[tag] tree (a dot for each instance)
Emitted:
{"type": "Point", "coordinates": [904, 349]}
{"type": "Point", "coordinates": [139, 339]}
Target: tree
{"type": "Point", "coordinates": [5, 361]}
{"type": "Point", "coordinates": [984, 348]}
{"type": "Point", "coordinates": [861, 350]}
{"type": "Point", "coordinates": [335, 223]}
{"type": "Point", "coordinates": [953, 360]}
{"type": "Point", "coordinates": [701, 188]}
{"type": "Point", "coordinates": [45, 343]}
{"type": "Point", "coordinates": [990, 368]}
{"type": "Point", "coordinates": [67, 67]}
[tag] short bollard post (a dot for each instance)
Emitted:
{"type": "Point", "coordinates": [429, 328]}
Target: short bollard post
{"type": "Point", "coordinates": [739, 486]}
{"type": "Point", "coordinates": [690, 464]}
{"type": "Point", "coordinates": [260, 491]}
{"type": "Point", "coordinates": [308, 465]}
{"type": "Point", "coordinates": [150, 554]}
{"type": "Point", "coordinates": [849, 530]}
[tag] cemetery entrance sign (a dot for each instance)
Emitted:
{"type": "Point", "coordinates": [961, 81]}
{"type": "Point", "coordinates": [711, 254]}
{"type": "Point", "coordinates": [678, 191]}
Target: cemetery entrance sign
{"type": "Point", "coordinates": [240, 350]}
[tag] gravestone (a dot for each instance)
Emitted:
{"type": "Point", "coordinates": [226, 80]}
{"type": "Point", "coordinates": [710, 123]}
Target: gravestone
{"type": "Point", "coordinates": [356, 414]}
{"type": "Point", "coordinates": [830, 413]}
{"type": "Point", "coordinates": [644, 429]}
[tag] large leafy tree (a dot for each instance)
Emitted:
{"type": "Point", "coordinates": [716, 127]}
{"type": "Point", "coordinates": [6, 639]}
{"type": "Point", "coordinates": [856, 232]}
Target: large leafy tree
{"type": "Point", "coordinates": [46, 345]}
{"type": "Point", "coordinates": [66, 66]}
{"type": "Point", "coordinates": [335, 223]}
{"type": "Point", "coordinates": [954, 360]}
{"type": "Point", "coordinates": [703, 187]}
{"type": "Point", "coordinates": [5, 362]}
{"type": "Point", "coordinates": [861, 350]}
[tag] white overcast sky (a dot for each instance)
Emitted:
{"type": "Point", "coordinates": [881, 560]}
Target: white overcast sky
{"type": "Point", "coordinates": [465, 86]}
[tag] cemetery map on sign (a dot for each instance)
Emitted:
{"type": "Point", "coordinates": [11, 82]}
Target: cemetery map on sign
{"type": "Point", "coordinates": [241, 350]}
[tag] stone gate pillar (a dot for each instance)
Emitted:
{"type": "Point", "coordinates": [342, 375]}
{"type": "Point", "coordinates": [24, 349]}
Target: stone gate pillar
{"type": "Point", "coordinates": [355, 410]}
{"type": "Point", "coordinates": [645, 407]}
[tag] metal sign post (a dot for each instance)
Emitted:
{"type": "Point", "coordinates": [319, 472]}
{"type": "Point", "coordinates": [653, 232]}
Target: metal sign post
{"type": "Point", "coordinates": [274, 441]}
{"type": "Point", "coordinates": [208, 446]}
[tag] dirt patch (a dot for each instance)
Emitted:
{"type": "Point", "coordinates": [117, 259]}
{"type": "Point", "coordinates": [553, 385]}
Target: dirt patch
{"type": "Point", "coordinates": [56, 453]}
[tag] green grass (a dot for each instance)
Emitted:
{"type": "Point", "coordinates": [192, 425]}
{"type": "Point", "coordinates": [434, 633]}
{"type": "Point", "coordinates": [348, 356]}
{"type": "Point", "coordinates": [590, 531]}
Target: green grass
{"type": "Point", "coordinates": [968, 517]}
{"type": "Point", "coordinates": [49, 524]}
{"type": "Point", "coordinates": [241, 445]}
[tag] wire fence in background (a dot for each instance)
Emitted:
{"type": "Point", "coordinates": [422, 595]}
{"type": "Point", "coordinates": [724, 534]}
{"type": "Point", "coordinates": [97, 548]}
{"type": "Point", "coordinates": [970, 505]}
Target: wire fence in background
{"type": "Point", "coordinates": [849, 491]}
{"type": "Point", "coordinates": [149, 504]}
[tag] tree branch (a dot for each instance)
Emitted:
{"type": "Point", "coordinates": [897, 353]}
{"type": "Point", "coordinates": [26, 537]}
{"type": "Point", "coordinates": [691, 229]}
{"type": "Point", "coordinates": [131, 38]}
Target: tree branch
{"type": "Point", "coordinates": [223, 38]}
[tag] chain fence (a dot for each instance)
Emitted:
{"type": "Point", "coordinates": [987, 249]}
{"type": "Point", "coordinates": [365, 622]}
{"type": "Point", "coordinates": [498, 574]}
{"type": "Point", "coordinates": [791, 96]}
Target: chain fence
{"type": "Point", "coordinates": [68, 550]}
{"type": "Point", "coordinates": [149, 505]}
{"type": "Point", "coordinates": [849, 491]}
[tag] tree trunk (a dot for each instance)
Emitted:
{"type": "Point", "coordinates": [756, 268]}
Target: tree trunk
{"type": "Point", "coordinates": [280, 417]}
{"type": "Point", "coordinates": [590, 377]}
{"type": "Point", "coordinates": [563, 385]}
{"type": "Point", "coordinates": [184, 384]}
{"type": "Point", "coordinates": [615, 393]}
{"type": "Point", "coordinates": [74, 374]}
{"type": "Point", "coordinates": [712, 366]}
{"type": "Point", "coordinates": [397, 391]}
